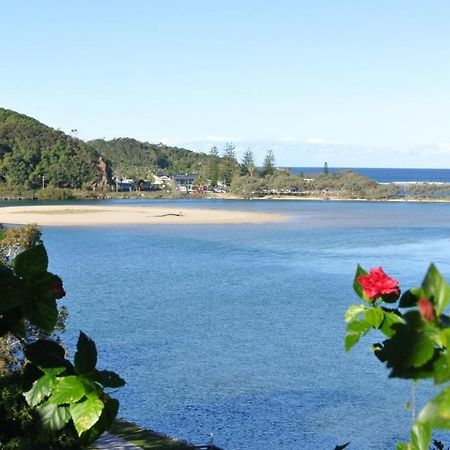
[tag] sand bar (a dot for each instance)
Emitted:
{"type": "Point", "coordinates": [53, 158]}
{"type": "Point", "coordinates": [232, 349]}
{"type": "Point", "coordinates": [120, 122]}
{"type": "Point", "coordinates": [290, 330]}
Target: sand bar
{"type": "Point", "coordinates": [81, 215]}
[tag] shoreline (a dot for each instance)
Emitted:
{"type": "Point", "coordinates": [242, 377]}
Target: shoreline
{"type": "Point", "coordinates": [87, 215]}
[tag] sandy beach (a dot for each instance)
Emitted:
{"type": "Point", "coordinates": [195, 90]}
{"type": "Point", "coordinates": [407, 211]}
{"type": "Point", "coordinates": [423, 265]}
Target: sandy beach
{"type": "Point", "coordinates": [81, 215]}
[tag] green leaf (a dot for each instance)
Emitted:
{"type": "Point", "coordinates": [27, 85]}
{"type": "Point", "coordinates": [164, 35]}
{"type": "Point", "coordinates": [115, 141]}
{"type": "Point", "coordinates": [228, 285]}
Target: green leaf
{"type": "Point", "coordinates": [31, 262]}
{"type": "Point", "coordinates": [390, 319]}
{"type": "Point", "coordinates": [354, 311]}
{"type": "Point", "coordinates": [43, 386]}
{"type": "Point", "coordinates": [11, 288]}
{"type": "Point", "coordinates": [44, 285]}
{"type": "Point", "coordinates": [407, 350]}
{"type": "Point", "coordinates": [43, 313]}
{"type": "Point", "coordinates": [409, 299]}
{"type": "Point", "coordinates": [105, 421]}
{"type": "Point", "coordinates": [358, 326]}
{"type": "Point", "coordinates": [420, 436]}
{"type": "Point", "coordinates": [85, 414]}
{"type": "Point", "coordinates": [45, 353]}
{"type": "Point", "coordinates": [12, 321]}
{"type": "Point", "coordinates": [436, 289]}
{"type": "Point", "coordinates": [351, 339]}
{"type": "Point", "coordinates": [356, 286]}
{"type": "Point", "coordinates": [108, 379]}
{"type": "Point", "coordinates": [421, 351]}
{"type": "Point", "coordinates": [69, 389]}
{"type": "Point", "coordinates": [374, 317]}
{"type": "Point", "coordinates": [441, 368]}
{"type": "Point", "coordinates": [53, 417]}
{"type": "Point", "coordinates": [402, 446]}
{"type": "Point", "coordinates": [437, 411]}
{"type": "Point", "coordinates": [86, 355]}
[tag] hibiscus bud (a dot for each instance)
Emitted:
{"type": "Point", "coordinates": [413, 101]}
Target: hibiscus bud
{"type": "Point", "coordinates": [376, 283]}
{"type": "Point", "coordinates": [426, 310]}
{"type": "Point", "coordinates": [56, 290]}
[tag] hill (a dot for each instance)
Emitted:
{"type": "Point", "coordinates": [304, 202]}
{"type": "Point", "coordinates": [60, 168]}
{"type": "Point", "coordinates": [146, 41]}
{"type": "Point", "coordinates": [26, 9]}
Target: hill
{"type": "Point", "coordinates": [133, 158]}
{"type": "Point", "coordinates": [30, 150]}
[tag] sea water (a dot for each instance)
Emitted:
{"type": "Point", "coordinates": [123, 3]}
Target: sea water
{"type": "Point", "coordinates": [388, 175]}
{"type": "Point", "coordinates": [237, 330]}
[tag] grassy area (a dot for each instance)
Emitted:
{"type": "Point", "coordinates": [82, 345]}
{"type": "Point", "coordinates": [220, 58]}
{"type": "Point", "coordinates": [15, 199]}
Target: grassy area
{"type": "Point", "coordinates": [146, 439]}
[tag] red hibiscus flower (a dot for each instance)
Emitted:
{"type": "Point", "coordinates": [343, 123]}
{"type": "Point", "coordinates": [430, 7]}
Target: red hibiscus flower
{"type": "Point", "coordinates": [426, 310]}
{"type": "Point", "coordinates": [376, 283]}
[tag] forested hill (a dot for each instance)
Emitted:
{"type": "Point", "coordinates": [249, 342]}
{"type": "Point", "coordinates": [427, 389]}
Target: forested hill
{"type": "Point", "coordinates": [133, 158]}
{"type": "Point", "coordinates": [30, 150]}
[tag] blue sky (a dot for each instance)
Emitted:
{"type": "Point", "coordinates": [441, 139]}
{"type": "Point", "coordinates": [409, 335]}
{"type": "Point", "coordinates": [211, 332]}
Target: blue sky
{"type": "Point", "coordinates": [356, 83]}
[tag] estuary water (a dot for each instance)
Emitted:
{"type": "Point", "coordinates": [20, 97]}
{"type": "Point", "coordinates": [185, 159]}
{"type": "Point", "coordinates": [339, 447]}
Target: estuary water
{"type": "Point", "coordinates": [237, 330]}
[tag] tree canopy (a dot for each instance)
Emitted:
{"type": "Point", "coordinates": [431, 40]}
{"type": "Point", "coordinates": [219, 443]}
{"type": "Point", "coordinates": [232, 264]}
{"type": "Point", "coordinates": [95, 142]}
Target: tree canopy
{"type": "Point", "coordinates": [30, 150]}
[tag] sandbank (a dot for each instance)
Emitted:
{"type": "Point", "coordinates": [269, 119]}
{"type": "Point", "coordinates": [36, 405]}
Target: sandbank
{"type": "Point", "coordinates": [81, 215]}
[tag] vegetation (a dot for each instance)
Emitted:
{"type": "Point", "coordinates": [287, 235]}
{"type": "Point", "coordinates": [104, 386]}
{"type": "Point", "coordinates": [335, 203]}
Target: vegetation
{"type": "Point", "coordinates": [44, 396]}
{"type": "Point", "coordinates": [416, 339]}
{"type": "Point", "coordinates": [33, 155]}
{"type": "Point", "coordinates": [133, 159]}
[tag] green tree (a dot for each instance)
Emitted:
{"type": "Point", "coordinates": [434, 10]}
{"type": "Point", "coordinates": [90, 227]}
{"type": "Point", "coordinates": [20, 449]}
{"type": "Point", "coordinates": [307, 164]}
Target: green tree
{"type": "Point", "coordinates": [269, 163]}
{"type": "Point", "coordinates": [214, 166]}
{"type": "Point", "coordinates": [248, 164]}
{"type": "Point", "coordinates": [229, 165]}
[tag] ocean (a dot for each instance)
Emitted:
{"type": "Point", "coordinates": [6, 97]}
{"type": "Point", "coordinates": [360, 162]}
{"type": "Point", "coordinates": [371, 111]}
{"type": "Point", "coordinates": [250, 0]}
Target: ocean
{"type": "Point", "coordinates": [388, 175]}
{"type": "Point", "coordinates": [237, 330]}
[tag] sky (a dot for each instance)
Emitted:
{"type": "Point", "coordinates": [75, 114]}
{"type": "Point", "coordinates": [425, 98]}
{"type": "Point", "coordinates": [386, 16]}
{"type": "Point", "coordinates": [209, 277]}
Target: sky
{"type": "Point", "coordinates": [354, 83]}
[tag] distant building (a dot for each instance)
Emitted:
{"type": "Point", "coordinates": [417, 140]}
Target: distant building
{"type": "Point", "coordinates": [185, 183]}
{"type": "Point", "coordinates": [124, 184]}
{"type": "Point", "coordinates": [161, 180]}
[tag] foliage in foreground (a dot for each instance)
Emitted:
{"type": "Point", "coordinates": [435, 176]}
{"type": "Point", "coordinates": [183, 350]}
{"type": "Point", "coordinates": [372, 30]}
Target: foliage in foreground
{"type": "Point", "coordinates": [68, 398]}
{"type": "Point", "coordinates": [417, 339]}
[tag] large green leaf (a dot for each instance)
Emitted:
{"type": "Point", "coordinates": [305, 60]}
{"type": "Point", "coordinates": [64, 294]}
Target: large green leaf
{"type": "Point", "coordinates": [31, 262]}
{"type": "Point", "coordinates": [407, 349]}
{"type": "Point", "coordinates": [402, 446]}
{"type": "Point", "coordinates": [45, 353]}
{"type": "Point", "coordinates": [410, 298]}
{"type": "Point", "coordinates": [69, 389]}
{"type": "Point", "coordinates": [53, 417]}
{"type": "Point", "coordinates": [48, 285]}
{"type": "Point", "coordinates": [43, 387]}
{"type": "Point", "coordinates": [436, 289]}
{"type": "Point", "coordinates": [420, 436]}
{"type": "Point", "coordinates": [354, 311]}
{"type": "Point", "coordinates": [358, 326]}
{"type": "Point", "coordinates": [355, 329]}
{"type": "Point", "coordinates": [11, 289]}
{"type": "Point", "coordinates": [441, 368]}
{"type": "Point", "coordinates": [86, 355]}
{"type": "Point", "coordinates": [108, 378]}
{"type": "Point", "coordinates": [437, 411]}
{"type": "Point", "coordinates": [106, 419]}
{"type": "Point", "coordinates": [356, 286]}
{"type": "Point", "coordinates": [374, 317]}
{"type": "Point", "coordinates": [12, 321]}
{"type": "Point", "coordinates": [351, 339]}
{"type": "Point", "coordinates": [41, 312]}
{"type": "Point", "coordinates": [86, 413]}
{"type": "Point", "coordinates": [390, 319]}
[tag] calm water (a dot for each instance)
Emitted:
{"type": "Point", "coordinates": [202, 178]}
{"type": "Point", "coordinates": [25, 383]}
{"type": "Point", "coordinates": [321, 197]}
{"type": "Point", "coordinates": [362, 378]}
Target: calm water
{"type": "Point", "coordinates": [237, 330]}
